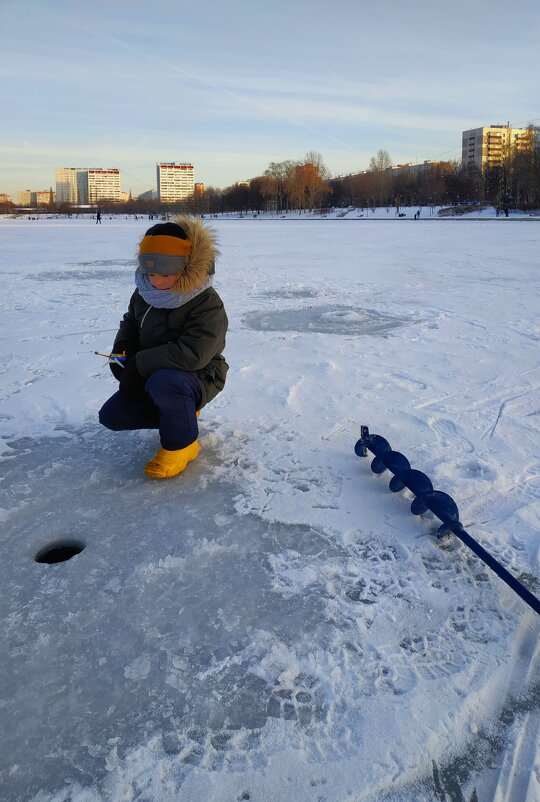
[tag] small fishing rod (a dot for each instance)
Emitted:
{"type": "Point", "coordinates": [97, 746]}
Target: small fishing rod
{"type": "Point", "coordinates": [117, 359]}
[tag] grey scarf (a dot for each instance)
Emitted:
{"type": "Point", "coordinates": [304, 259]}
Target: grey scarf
{"type": "Point", "coordinates": [166, 299]}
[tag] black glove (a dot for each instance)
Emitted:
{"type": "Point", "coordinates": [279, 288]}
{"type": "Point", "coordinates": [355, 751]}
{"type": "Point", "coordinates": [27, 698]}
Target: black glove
{"type": "Point", "coordinates": [116, 370]}
{"type": "Point", "coordinates": [131, 380]}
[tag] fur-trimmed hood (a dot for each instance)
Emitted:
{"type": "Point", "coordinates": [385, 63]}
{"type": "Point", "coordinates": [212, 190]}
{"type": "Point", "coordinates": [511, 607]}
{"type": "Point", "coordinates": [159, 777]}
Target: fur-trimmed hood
{"type": "Point", "coordinates": [201, 261]}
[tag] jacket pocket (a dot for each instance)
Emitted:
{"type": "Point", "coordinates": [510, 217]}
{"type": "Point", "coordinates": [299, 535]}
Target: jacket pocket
{"type": "Point", "coordinates": [213, 378]}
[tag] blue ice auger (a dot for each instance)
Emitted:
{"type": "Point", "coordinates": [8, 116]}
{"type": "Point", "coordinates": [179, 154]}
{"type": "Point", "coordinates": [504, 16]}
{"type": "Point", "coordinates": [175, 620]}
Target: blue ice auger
{"type": "Point", "coordinates": [440, 504]}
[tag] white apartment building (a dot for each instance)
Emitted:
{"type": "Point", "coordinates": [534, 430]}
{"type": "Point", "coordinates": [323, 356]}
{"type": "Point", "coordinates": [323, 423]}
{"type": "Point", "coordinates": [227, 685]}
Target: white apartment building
{"type": "Point", "coordinates": [43, 197]}
{"type": "Point", "coordinates": [485, 147]}
{"type": "Point", "coordinates": [84, 185]}
{"type": "Point", "coordinates": [415, 169]}
{"type": "Point", "coordinates": [175, 181]}
{"type": "Point", "coordinates": [67, 184]}
{"type": "Point", "coordinates": [30, 198]}
{"type": "Point", "coordinates": [25, 197]}
{"type": "Point", "coordinates": [103, 184]}
{"type": "Point", "coordinates": [149, 195]}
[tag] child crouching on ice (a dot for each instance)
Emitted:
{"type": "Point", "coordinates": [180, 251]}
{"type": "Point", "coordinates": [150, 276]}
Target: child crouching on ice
{"type": "Point", "coordinates": [173, 335]}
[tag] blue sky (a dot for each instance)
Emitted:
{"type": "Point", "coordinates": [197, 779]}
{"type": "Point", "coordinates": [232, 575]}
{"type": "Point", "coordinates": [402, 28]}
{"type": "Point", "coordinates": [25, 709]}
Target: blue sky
{"type": "Point", "coordinates": [231, 86]}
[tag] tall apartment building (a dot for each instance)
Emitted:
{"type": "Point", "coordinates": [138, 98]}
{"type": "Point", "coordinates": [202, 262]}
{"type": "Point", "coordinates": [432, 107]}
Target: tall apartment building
{"type": "Point", "coordinates": [84, 185]}
{"type": "Point", "coordinates": [485, 147]}
{"type": "Point", "coordinates": [25, 197]}
{"type": "Point", "coordinates": [67, 181]}
{"type": "Point", "coordinates": [175, 181]}
{"type": "Point", "coordinates": [103, 184]}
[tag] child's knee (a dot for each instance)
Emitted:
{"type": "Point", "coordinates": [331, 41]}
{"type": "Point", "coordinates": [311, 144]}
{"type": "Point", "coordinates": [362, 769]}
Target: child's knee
{"type": "Point", "coordinates": [109, 417]}
{"type": "Point", "coordinates": [157, 381]}
{"type": "Point", "coordinates": [168, 382]}
{"type": "Point", "coordinates": [106, 420]}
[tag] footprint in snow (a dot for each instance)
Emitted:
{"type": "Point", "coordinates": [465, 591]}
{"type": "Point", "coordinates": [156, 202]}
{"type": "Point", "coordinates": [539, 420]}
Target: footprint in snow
{"type": "Point", "coordinates": [450, 436]}
{"type": "Point", "coordinates": [300, 701]}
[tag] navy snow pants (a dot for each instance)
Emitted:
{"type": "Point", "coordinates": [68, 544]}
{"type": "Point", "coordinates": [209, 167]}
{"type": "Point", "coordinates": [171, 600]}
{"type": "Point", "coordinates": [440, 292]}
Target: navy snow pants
{"type": "Point", "coordinates": [169, 404]}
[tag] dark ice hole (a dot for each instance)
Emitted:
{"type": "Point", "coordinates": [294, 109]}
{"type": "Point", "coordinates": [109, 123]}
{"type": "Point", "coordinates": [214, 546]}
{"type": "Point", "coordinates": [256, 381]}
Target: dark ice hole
{"type": "Point", "coordinates": [59, 552]}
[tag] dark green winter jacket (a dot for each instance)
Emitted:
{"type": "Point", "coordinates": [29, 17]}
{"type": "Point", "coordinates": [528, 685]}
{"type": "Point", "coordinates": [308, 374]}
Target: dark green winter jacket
{"type": "Point", "coordinates": [191, 338]}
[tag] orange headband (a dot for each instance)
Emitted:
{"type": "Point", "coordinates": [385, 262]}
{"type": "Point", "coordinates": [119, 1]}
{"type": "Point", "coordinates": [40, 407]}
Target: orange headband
{"type": "Point", "coordinates": [164, 243]}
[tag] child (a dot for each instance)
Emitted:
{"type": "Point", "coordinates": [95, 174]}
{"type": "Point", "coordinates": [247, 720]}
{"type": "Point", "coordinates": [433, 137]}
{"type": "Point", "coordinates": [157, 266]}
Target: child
{"type": "Point", "coordinates": [172, 335]}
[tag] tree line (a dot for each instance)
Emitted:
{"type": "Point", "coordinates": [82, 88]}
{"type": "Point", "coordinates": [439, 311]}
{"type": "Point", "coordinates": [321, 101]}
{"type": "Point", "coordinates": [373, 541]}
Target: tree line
{"type": "Point", "coordinates": [302, 184]}
{"type": "Point", "coordinates": [515, 183]}
{"type": "Point", "coordinates": [305, 184]}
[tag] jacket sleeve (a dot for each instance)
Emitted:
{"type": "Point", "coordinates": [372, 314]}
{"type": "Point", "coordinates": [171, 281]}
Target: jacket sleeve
{"type": "Point", "coordinates": [127, 338]}
{"type": "Point", "coordinates": [202, 338]}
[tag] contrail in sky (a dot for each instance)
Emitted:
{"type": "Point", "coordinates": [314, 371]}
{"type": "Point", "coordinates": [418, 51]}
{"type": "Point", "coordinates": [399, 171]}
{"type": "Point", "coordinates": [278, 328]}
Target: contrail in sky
{"type": "Point", "coordinates": [212, 85]}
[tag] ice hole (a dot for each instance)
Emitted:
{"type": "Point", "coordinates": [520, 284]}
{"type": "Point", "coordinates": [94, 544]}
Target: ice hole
{"type": "Point", "coordinates": [325, 319]}
{"type": "Point", "coordinates": [59, 551]}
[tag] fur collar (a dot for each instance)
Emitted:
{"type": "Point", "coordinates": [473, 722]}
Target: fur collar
{"type": "Point", "coordinates": [200, 263]}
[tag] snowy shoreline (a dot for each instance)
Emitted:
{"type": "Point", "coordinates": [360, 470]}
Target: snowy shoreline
{"type": "Point", "coordinates": [413, 213]}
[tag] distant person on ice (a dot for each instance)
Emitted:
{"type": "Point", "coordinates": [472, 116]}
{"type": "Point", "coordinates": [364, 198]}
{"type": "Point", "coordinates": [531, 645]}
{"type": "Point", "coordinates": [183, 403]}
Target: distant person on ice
{"type": "Point", "coordinates": [173, 335]}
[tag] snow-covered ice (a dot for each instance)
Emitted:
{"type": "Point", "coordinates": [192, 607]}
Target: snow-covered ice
{"type": "Point", "coordinates": [274, 624]}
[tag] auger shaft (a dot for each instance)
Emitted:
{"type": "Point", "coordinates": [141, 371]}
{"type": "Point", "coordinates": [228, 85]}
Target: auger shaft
{"type": "Point", "coordinates": [440, 504]}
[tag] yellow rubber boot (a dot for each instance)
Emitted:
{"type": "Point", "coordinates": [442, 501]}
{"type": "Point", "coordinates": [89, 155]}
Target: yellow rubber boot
{"type": "Point", "coordinates": [170, 463]}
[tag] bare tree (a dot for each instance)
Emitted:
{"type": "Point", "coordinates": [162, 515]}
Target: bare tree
{"type": "Point", "coordinates": [256, 196]}
{"type": "Point", "coordinates": [381, 165]}
{"type": "Point", "coordinates": [279, 172]}
{"type": "Point", "coordinates": [305, 186]}
{"type": "Point", "coordinates": [381, 161]}
{"type": "Point", "coordinates": [269, 189]}
{"type": "Point", "coordinates": [315, 158]}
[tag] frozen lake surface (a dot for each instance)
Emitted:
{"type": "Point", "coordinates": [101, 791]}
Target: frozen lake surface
{"type": "Point", "coordinates": [274, 623]}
